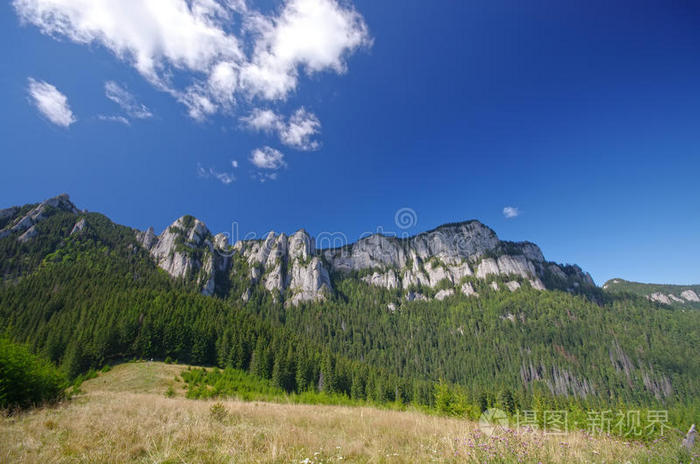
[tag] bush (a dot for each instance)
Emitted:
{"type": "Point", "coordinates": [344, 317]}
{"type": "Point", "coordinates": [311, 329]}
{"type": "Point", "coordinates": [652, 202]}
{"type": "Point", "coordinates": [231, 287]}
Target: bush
{"type": "Point", "coordinates": [168, 360]}
{"type": "Point", "coordinates": [26, 379]}
{"type": "Point", "coordinates": [170, 392]}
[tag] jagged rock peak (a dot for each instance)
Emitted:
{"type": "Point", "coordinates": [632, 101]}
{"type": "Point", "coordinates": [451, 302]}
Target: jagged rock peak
{"type": "Point", "coordinates": [294, 268]}
{"type": "Point", "coordinates": [184, 249]}
{"type": "Point", "coordinates": [35, 216]}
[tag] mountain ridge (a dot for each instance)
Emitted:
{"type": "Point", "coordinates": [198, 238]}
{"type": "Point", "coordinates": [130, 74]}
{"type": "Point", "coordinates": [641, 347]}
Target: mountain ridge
{"type": "Point", "coordinates": [298, 269]}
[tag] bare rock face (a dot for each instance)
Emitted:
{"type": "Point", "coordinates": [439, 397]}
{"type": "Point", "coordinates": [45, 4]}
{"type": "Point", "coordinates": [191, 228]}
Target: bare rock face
{"type": "Point", "coordinates": [516, 265]}
{"type": "Point", "coordinates": [556, 270]}
{"type": "Point", "coordinates": [437, 273]}
{"type": "Point", "coordinates": [374, 251]}
{"type": "Point", "coordinates": [173, 249]}
{"type": "Point", "coordinates": [386, 280]}
{"type": "Point", "coordinates": [36, 215]}
{"type": "Point", "coordinates": [308, 278]}
{"type": "Point", "coordinates": [209, 276]}
{"type": "Point", "coordinates": [513, 285]}
{"type": "Point", "coordinates": [310, 282]}
{"type": "Point", "coordinates": [147, 239]}
{"type": "Point", "coordinates": [301, 246]}
{"type": "Point", "coordinates": [487, 267]}
{"type": "Point", "coordinates": [691, 296]}
{"type": "Point", "coordinates": [78, 227]}
{"type": "Point", "coordinates": [468, 290]}
{"type": "Point", "coordinates": [185, 250]}
{"type": "Point", "coordinates": [442, 294]}
{"type": "Point", "coordinates": [660, 298]}
{"type": "Point", "coordinates": [288, 266]}
{"type": "Point", "coordinates": [29, 234]}
{"type": "Point", "coordinates": [294, 270]}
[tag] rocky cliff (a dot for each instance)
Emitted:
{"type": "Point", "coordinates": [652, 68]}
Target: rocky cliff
{"type": "Point", "coordinates": [24, 221]}
{"type": "Point", "coordinates": [293, 269]}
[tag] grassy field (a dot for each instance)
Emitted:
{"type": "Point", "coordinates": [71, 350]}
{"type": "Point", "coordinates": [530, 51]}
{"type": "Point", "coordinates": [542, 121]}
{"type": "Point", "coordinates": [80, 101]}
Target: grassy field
{"type": "Point", "coordinates": [124, 416]}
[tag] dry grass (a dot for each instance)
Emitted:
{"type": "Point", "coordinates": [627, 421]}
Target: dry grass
{"type": "Point", "coordinates": [125, 417]}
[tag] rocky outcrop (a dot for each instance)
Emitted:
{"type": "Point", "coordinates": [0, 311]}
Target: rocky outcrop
{"type": "Point", "coordinates": [513, 285]}
{"type": "Point", "coordinates": [468, 290]}
{"type": "Point", "coordinates": [147, 238]}
{"type": "Point", "coordinates": [186, 250]}
{"type": "Point", "coordinates": [28, 234]}
{"type": "Point", "coordinates": [292, 269]}
{"type": "Point", "coordinates": [667, 294]}
{"type": "Point", "coordinates": [690, 295]}
{"type": "Point", "coordinates": [660, 298]}
{"type": "Point", "coordinates": [386, 280]}
{"type": "Point", "coordinates": [288, 266]}
{"type": "Point", "coordinates": [309, 282]}
{"type": "Point", "coordinates": [78, 227]}
{"type": "Point", "coordinates": [25, 225]}
{"type": "Point", "coordinates": [442, 294]}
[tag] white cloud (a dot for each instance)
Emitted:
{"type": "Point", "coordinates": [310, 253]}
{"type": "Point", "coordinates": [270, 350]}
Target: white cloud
{"type": "Point", "coordinates": [127, 101]}
{"type": "Point", "coordinates": [297, 132]}
{"type": "Point", "coordinates": [51, 103]}
{"type": "Point", "coordinates": [312, 34]}
{"type": "Point", "coordinates": [267, 158]}
{"type": "Point", "coordinates": [263, 120]}
{"type": "Point", "coordinates": [154, 36]}
{"type": "Point", "coordinates": [225, 178]}
{"type": "Point", "coordinates": [192, 42]}
{"type": "Point", "coordinates": [234, 163]}
{"type": "Point", "coordinates": [511, 212]}
{"type": "Point", "coordinates": [114, 118]}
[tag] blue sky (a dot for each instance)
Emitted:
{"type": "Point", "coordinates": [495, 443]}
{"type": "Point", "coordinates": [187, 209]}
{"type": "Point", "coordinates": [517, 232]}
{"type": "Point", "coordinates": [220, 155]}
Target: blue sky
{"type": "Point", "coordinates": [584, 116]}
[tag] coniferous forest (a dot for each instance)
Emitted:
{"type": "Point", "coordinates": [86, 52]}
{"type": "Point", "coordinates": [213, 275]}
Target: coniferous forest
{"type": "Point", "coordinates": [82, 301]}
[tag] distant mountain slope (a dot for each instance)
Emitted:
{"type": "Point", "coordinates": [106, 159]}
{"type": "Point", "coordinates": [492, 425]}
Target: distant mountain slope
{"type": "Point", "coordinates": [672, 295]}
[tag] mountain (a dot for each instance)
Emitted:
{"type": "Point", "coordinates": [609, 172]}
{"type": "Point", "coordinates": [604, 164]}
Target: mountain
{"type": "Point", "coordinates": [672, 295]}
{"type": "Point", "coordinates": [293, 269]}
{"type": "Point", "coordinates": [383, 319]}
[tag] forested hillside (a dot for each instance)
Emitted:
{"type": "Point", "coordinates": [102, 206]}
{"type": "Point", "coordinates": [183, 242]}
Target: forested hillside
{"type": "Point", "coordinates": [680, 296]}
{"type": "Point", "coordinates": [84, 292]}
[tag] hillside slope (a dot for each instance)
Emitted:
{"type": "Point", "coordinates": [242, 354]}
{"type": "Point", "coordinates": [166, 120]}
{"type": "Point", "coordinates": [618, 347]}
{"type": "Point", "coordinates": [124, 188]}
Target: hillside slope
{"type": "Point", "coordinates": [681, 296]}
{"type": "Point", "coordinates": [124, 417]}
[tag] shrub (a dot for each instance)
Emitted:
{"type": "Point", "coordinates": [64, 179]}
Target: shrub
{"type": "Point", "coordinates": [218, 412]}
{"type": "Point", "coordinates": [170, 392]}
{"type": "Point", "coordinates": [26, 379]}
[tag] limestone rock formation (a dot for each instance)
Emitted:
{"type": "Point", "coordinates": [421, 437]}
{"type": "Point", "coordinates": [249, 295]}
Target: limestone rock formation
{"type": "Point", "coordinates": [660, 298]}
{"type": "Point", "coordinates": [293, 269]}
{"type": "Point", "coordinates": [690, 295]}
{"type": "Point", "coordinates": [25, 225]}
